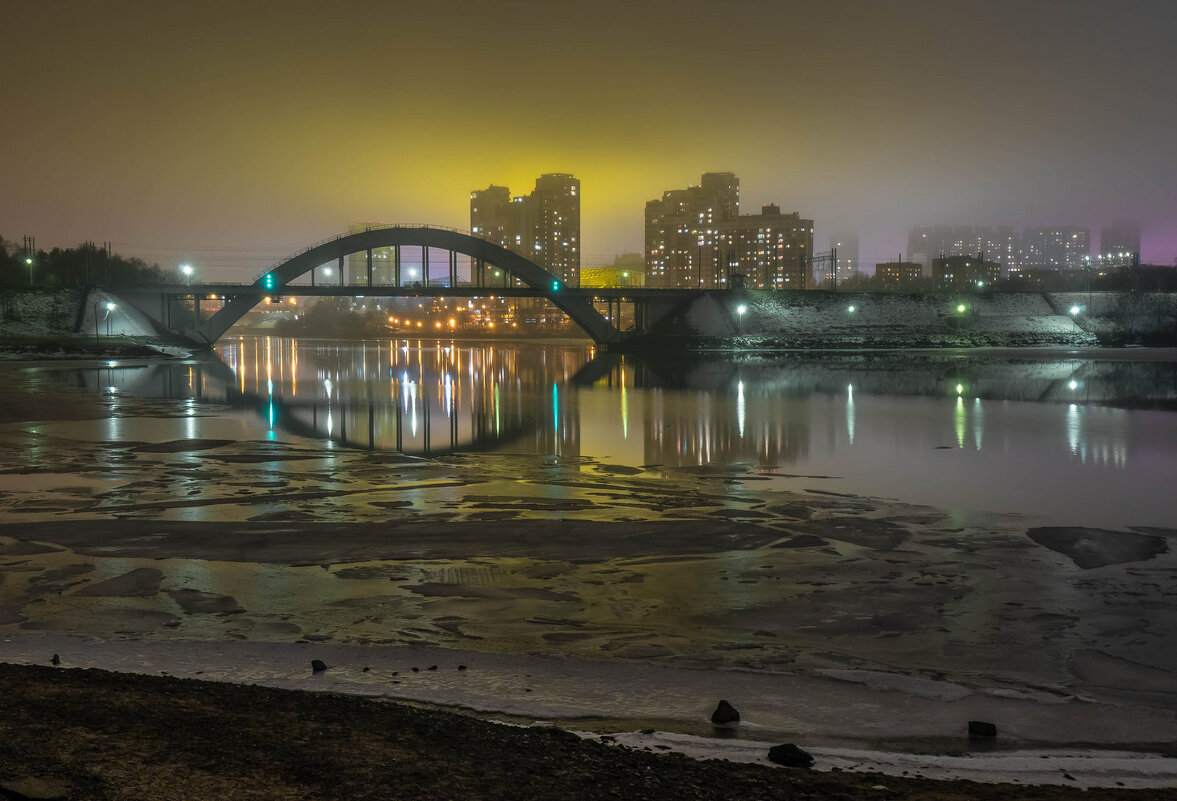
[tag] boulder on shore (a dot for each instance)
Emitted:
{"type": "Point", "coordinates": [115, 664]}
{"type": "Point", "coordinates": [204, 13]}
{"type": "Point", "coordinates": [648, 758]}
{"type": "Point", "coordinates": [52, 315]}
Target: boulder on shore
{"type": "Point", "coordinates": [790, 756]}
{"type": "Point", "coordinates": [725, 715]}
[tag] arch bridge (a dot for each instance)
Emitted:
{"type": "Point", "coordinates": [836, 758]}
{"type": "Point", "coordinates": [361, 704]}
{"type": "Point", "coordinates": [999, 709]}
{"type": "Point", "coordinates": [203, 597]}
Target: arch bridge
{"type": "Point", "coordinates": [489, 269]}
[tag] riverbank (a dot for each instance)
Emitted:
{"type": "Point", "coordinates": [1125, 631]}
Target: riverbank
{"type": "Point", "coordinates": [86, 734]}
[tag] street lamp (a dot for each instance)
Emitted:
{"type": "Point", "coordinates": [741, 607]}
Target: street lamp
{"type": "Point", "coordinates": [29, 261]}
{"type": "Point", "coordinates": [187, 270]}
{"type": "Point", "coordinates": [740, 311]}
{"type": "Point", "coordinates": [109, 306]}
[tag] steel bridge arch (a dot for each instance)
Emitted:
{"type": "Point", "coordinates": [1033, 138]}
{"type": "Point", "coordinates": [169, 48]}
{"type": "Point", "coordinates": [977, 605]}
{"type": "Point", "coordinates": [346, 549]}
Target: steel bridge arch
{"type": "Point", "coordinates": [545, 284]}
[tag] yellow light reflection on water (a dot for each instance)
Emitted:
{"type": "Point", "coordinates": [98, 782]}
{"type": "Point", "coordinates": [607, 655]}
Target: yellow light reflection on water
{"type": "Point", "coordinates": [624, 411]}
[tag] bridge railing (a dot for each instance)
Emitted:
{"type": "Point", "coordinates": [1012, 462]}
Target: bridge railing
{"type": "Point", "coordinates": [337, 237]}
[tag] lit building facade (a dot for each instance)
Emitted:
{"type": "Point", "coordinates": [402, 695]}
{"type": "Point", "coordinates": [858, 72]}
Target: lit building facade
{"type": "Point", "coordinates": [899, 275]}
{"type": "Point", "coordinates": [846, 247]}
{"type": "Point", "coordinates": [998, 243]}
{"type": "Point", "coordinates": [696, 238]}
{"type": "Point", "coordinates": [491, 215]}
{"type": "Point", "coordinates": [544, 226]}
{"type": "Point", "coordinates": [769, 250]}
{"type": "Point", "coordinates": [683, 247]}
{"type": "Point", "coordinates": [961, 272]}
{"type": "Point", "coordinates": [1060, 247]}
{"type": "Point", "coordinates": [1117, 238]}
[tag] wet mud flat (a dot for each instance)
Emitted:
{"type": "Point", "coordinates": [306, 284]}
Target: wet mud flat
{"type": "Point", "coordinates": [641, 593]}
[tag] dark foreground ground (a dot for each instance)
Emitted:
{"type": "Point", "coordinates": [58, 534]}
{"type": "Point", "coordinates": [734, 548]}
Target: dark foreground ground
{"type": "Point", "coordinates": [118, 736]}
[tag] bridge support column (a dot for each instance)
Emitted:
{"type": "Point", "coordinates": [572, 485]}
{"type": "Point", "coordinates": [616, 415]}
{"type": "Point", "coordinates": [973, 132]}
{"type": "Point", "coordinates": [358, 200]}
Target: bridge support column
{"type": "Point", "coordinates": [340, 262]}
{"type": "Point", "coordinates": [425, 263]}
{"type": "Point", "coordinates": [396, 265]}
{"type": "Point", "coordinates": [369, 266]}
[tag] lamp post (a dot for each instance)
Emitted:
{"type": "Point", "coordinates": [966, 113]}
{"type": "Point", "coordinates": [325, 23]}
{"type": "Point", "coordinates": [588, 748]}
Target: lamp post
{"type": "Point", "coordinates": [110, 307]}
{"type": "Point", "coordinates": [740, 311]}
{"type": "Point", "coordinates": [187, 270]}
{"type": "Point", "coordinates": [29, 262]}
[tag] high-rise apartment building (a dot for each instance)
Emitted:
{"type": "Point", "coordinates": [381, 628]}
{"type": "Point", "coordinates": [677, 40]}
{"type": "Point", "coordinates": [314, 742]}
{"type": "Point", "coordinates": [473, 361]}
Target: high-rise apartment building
{"type": "Point", "coordinates": [696, 238]}
{"type": "Point", "coordinates": [1120, 237]}
{"type": "Point", "coordinates": [1061, 247]}
{"type": "Point", "coordinates": [544, 226]}
{"type": "Point", "coordinates": [769, 250]}
{"type": "Point", "coordinates": [683, 247]}
{"type": "Point", "coordinates": [554, 209]}
{"type": "Point", "coordinates": [999, 244]}
{"type": "Point", "coordinates": [491, 215]}
{"type": "Point", "coordinates": [846, 247]}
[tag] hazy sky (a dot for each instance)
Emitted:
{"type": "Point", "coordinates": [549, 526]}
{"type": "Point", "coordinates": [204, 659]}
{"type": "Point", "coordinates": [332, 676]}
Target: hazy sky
{"type": "Point", "coordinates": [232, 133]}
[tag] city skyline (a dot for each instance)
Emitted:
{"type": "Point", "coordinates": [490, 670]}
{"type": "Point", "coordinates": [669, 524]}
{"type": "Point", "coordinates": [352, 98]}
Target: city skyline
{"type": "Point", "coordinates": [193, 134]}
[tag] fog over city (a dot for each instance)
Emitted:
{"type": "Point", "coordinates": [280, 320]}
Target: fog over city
{"type": "Point", "coordinates": [228, 135]}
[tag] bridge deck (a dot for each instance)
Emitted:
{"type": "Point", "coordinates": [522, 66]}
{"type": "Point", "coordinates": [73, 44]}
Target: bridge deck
{"type": "Point", "coordinates": [387, 290]}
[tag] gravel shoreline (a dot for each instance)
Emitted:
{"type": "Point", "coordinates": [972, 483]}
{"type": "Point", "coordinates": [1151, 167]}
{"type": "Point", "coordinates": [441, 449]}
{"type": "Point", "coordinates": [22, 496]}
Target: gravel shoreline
{"type": "Point", "coordinates": [91, 734]}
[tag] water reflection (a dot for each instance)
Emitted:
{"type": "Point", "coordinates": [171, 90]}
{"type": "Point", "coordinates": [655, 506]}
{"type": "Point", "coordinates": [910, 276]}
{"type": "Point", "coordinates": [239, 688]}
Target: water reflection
{"type": "Point", "coordinates": [426, 397]}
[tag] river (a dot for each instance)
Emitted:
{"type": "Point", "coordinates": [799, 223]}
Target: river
{"type": "Point", "coordinates": [951, 533]}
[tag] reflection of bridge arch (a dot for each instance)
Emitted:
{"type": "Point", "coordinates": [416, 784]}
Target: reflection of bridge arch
{"type": "Point", "coordinates": [364, 426]}
{"type": "Point", "coordinates": [482, 252]}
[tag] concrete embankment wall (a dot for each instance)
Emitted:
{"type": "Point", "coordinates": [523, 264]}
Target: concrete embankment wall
{"type": "Point", "coordinates": [66, 314]}
{"type": "Point", "coordinates": [771, 319]}
{"type": "Point", "coordinates": [878, 319]}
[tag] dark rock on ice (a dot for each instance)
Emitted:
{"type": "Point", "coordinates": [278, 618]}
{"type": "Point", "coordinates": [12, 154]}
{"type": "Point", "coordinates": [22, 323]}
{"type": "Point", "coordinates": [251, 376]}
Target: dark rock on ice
{"type": "Point", "coordinates": [979, 728]}
{"type": "Point", "coordinates": [790, 756]}
{"type": "Point", "coordinates": [725, 715]}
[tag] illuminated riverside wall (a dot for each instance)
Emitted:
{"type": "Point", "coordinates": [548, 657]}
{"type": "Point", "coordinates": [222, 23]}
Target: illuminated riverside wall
{"type": "Point", "coordinates": [942, 319]}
